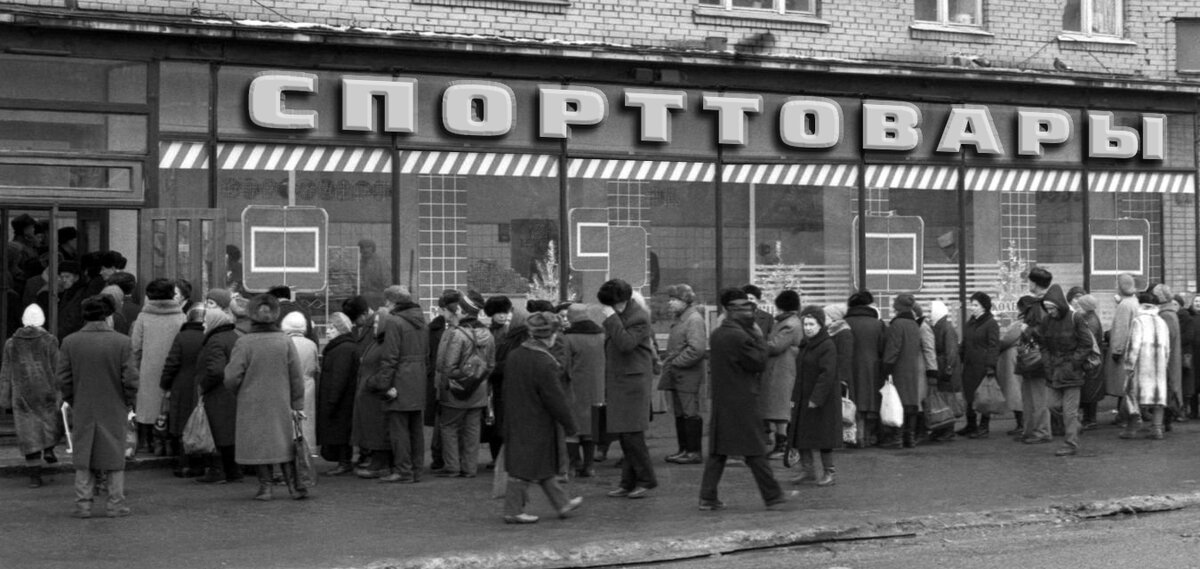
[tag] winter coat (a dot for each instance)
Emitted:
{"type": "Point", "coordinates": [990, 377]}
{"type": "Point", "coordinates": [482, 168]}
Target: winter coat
{"type": "Point", "coordinates": [628, 369]}
{"type": "Point", "coordinates": [1147, 357]}
{"type": "Point", "coordinates": [738, 355]}
{"type": "Point", "coordinates": [1066, 342]}
{"type": "Point", "coordinates": [980, 351]}
{"type": "Point", "coordinates": [264, 373]}
{"type": "Point", "coordinates": [70, 314]}
{"type": "Point", "coordinates": [369, 427]}
{"type": "Point", "coordinates": [179, 375]}
{"type": "Point", "coordinates": [220, 404]}
{"type": "Point", "coordinates": [685, 365]}
{"type": "Point", "coordinates": [1187, 343]}
{"type": "Point", "coordinates": [928, 357]}
{"type": "Point", "coordinates": [537, 411]}
{"type": "Point", "coordinates": [437, 329]}
{"type": "Point", "coordinates": [1118, 343]}
{"type": "Point", "coordinates": [512, 337]}
{"type": "Point", "coordinates": [817, 382]}
{"type": "Point", "coordinates": [335, 391]}
{"type": "Point", "coordinates": [585, 342]}
{"type": "Point", "coordinates": [152, 335]}
{"type": "Point", "coordinates": [452, 354]}
{"type": "Point", "coordinates": [764, 320]}
{"type": "Point", "coordinates": [1194, 349]}
{"type": "Point", "coordinates": [902, 357]}
{"type": "Point", "coordinates": [949, 366]}
{"type": "Point", "coordinates": [406, 347]}
{"type": "Point", "coordinates": [870, 337]}
{"type": "Point", "coordinates": [29, 387]}
{"type": "Point", "coordinates": [1169, 314]}
{"type": "Point", "coordinates": [779, 377]}
{"type": "Point", "coordinates": [1006, 365]}
{"type": "Point", "coordinates": [99, 380]}
{"type": "Point", "coordinates": [306, 351]}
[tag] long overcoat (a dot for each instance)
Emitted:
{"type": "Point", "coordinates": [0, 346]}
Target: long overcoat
{"type": "Point", "coordinates": [1118, 343]}
{"type": "Point", "coordinates": [903, 358]}
{"type": "Point", "coordinates": [1169, 314]}
{"type": "Point", "coordinates": [152, 335]}
{"type": "Point", "coordinates": [99, 380]}
{"type": "Point", "coordinates": [179, 375]}
{"type": "Point", "coordinates": [817, 381]}
{"type": "Point", "coordinates": [1187, 346]}
{"type": "Point", "coordinates": [1147, 357]}
{"type": "Point", "coordinates": [369, 429]}
{"type": "Point", "coordinates": [537, 412]}
{"type": "Point", "coordinates": [869, 341]}
{"type": "Point", "coordinates": [306, 351]}
{"type": "Point", "coordinates": [779, 378]}
{"type": "Point", "coordinates": [629, 370]}
{"type": "Point", "coordinates": [29, 387]}
{"type": "Point", "coordinates": [585, 342]}
{"type": "Point", "coordinates": [685, 365]}
{"type": "Point", "coordinates": [264, 372]}
{"type": "Point", "coordinates": [738, 357]}
{"type": "Point", "coordinates": [220, 404]}
{"type": "Point", "coordinates": [980, 351]}
{"type": "Point", "coordinates": [335, 391]}
{"type": "Point", "coordinates": [949, 378]}
{"type": "Point", "coordinates": [405, 357]}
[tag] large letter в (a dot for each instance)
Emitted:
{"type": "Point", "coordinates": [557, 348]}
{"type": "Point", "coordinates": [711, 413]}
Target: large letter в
{"type": "Point", "coordinates": [1107, 141]}
{"type": "Point", "coordinates": [266, 100]}
{"type": "Point", "coordinates": [1036, 127]}
{"type": "Point", "coordinates": [498, 108]}
{"type": "Point", "coordinates": [970, 124]}
{"type": "Point", "coordinates": [399, 104]}
{"type": "Point", "coordinates": [731, 114]}
{"type": "Point", "coordinates": [561, 108]}
{"type": "Point", "coordinates": [656, 111]}
{"type": "Point", "coordinates": [826, 116]}
{"type": "Point", "coordinates": [890, 125]}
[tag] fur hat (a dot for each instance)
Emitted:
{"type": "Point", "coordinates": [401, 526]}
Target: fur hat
{"type": "Point", "coordinates": [682, 292]}
{"type": "Point", "coordinates": [70, 267]}
{"type": "Point", "coordinates": [577, 312]}
{"type": "Point", "coordinates": [613, 292]}
{"type": "Point", "coordinates": [220, 296]}
{"type": "Point", "coordinates": [33, 316]}
{"type": "Point", "coordinates": [1040, 277]}
{"type": "Point", "coordinates": [861, 298]}
{"type": "Point", "coordinates": [294, 322]}
{"type": "Point", "coordinates": [983, 299]}
{"type": "Point", "coordinates": [1075, 292]}
{"type": "Point", "coordinates": [340, 323]}
{"type": "Point", "coordinates": [731, 295]}
{"type": "Point", "coordinates": [1147, 297]}
{"type": "Point", "coordinates": [788, 301]}
{"type": "Point", "coordinates": [263, 309]}
{"type": "Point", "coordinates": [97, 307]}
{"type": "Point", "coordinates": [541, 324]}
{"type": "Point", "coordinates": [904, 302]}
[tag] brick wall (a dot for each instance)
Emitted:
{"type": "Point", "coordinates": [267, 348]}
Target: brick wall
{"type": "Point", "coordinates": [1024, 35]}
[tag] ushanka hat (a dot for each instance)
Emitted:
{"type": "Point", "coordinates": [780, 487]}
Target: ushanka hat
{"type": "Point", "coordinates": [541, 324]}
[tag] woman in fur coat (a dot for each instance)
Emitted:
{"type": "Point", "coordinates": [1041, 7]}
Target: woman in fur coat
{"type": "Point", "coordinates": [27, 386]}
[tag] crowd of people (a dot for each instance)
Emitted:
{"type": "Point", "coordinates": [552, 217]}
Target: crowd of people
{"type": "Point", "coordinates": [549, 387]}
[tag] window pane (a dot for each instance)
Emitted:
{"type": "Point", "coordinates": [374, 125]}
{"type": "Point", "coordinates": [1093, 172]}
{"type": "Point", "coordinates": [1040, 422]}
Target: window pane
{"type": "Point", "coordinates": [712, 2]}
{"type": "Point", "coordinates": [1106, 17]}
{"type": "Point", "coordinates": [183, 247]}
{"type": "Point", "coordinates": [90, 80]}
{"type": "Point", "coordinates": [763, 4]}
{"type": "Point", "coordinates": [964, 12]}
{"type": "Point", "coordinates": [926, 10]}
{"type": "Point", "coordinates": [799, 6]}
{"type": "Point", "coordinates": [60, 176]}
{"type": "Point", "coordinates": [158, 240]}
{"type": "Point", "coordinates": [1187, 45]}
{"type": "Point", "coordinates": [1072, 16]}
{"type": "Point", "coordinates": [183, 103]}
{"type": "Point", "coordinates": [56, 131]}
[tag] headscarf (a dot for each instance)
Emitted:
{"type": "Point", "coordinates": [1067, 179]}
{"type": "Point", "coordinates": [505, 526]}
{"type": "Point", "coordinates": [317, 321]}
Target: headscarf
{"type": "Point", "coordinates": [835, 313]}
{"type": "Point", "coordinates": [294, 323]}
{"type": "Point", "coordinates": [33, 316]}
{"type": "Point", "coordinates": [937, 311]}
{"type": "Point", "coordinates": [215, 318]}
{"type": "Point", "coordinates": [340, 323]}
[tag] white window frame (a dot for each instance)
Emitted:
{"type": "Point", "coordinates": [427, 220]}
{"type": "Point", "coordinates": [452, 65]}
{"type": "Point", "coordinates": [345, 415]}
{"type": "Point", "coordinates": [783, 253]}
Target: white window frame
{"type": "Point", "coordinates": [778, 7]}
{"type": "Point", "coordinates": [1086, 13]}
{"type": "Point", "coordinates": [943, 15]}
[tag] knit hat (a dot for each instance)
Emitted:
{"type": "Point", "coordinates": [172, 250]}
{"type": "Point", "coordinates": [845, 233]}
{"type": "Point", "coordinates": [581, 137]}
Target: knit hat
{"type": "Point", "coordinates": [815, 312]}
{"type": "Point", "coordinates": [1087, 303]}
{"type": "Point", "coordinates": [471, 303]}
{"type": "Point", "coordinates": [294, 322]}
{"type": "Point", "coordinates": [220, 296]}
{"type": "Point", "coordinates": [263, 309]}
{"type": "Point", "coordinates": [835, 312]}
{"type": "Point", "coordinates": [541, 324]}
{"type": "Point", "coordinates": [340, 323]}
{"type": "Point", "coordinates": [577, 312]}
{"type": "Point", "coordinates": [97, 307]}
{"type": "Point", "coordinates": [1126, 284]}
{"type": "Point", "coordinates": [861, 298]}
{"type": "Point", "coordinates": [1026, 302]}
{"type": "Point", "coordinates": [904, 302]}
{"type": "Point", "coordinates": [33, 316]}
{"type": "Point", "coordinates": [1162, 293]}
{"type": "Point", "coordinates": [983, 299]}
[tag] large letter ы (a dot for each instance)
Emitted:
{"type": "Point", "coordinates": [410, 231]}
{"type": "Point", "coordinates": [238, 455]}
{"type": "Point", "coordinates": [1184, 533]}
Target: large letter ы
{"type": "Point", "coordinates": [266, 100]}
{"type": "Point", "coordinates": [1107, 141]}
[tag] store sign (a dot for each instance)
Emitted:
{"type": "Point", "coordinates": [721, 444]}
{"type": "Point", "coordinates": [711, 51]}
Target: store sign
{"type": "Point", "coordinates": [285, 246]}
{"type": "Point", "coordinates": [472, 108]}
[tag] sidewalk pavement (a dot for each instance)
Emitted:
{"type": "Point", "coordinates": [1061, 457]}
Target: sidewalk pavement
{"type": "Point", "coordinates": [454, 523]}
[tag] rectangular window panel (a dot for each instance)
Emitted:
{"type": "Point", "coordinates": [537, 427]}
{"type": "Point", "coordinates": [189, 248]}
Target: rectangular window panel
{"type": "Point", "coordinates": [81, 80]}
{"type": "Point", "coordinates": [53, 131]}
{"type": "Point", "coordinates": [1073, 16]}
{"type": "Point", "coordinates": [1187, 45]}
{"type": "Point", "coordinates": [926, 10]}
{"type": "Point", "coordinates": [183, 102]}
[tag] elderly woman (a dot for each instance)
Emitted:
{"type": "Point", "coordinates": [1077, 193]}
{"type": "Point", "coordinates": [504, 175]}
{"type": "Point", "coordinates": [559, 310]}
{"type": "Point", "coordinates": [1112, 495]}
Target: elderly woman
{"type": "Point", "coordinates": [28, 387]}
{"type": "Point", "coordinates": [295, 326]}
{"type": "Point", "coordinates": [1147, 364]}
{"type": "Point", "coordinates": [1085, 305]}
{"type": "Point", "coordinates": [684, 368]}
{"type": "Point", "coordinates": [220, 404]}
{"type": "Point", "coordinates": [980, 352]}
{"type": "Point", "coordinates": [585, 341]}
{"type": "Point", "coordinates": [783, 344]}
{"type": "Point", "coordinates": [179, 383]}
{"type": "Point", "coordinates": [151, 336]}
{"type": "Point", "coordinates": [265, 374]}
{"type": "Point", "coordinates": [817, 415]}
{"type": "Point", "coordinates": [335, 394]}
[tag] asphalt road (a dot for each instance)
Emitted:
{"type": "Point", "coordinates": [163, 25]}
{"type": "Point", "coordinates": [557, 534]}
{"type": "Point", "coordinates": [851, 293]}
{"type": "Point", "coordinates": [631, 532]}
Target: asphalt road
{"type": "Point", "coordinates": [1162, 541]}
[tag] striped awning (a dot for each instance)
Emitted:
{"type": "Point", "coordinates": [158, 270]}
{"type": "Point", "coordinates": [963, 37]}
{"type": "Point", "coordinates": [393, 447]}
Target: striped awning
{"type": "Point", "coordinates": [478, 164]}
{"type": "Point", "coordinates": [1022, 180]}
{"type": "Point", "coordinates": [641, 170]}
{"type": "Point", "coordinates": [912, 177]}
{"type": "Point", "coordinates": [844, 175]}
{"type": "Point", "coordinates": [277, 157]}
{"type": "Point", "coordinates": [1142, 182]}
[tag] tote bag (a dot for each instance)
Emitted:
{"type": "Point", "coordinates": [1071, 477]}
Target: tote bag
{"type": "Point", "coordinates": [891, 410]}
{"type": "Point", "coordinates": [197, 435]}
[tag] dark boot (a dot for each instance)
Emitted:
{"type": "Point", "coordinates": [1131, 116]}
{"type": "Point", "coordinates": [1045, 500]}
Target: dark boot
{"type": "Point", "coordinates": [573, 456]}
{"type": "Point", "coordinates": [780, 447]}
{"type": "Point", "coordinates": [982, 431]}
{"type": "Point", "coordinates": [295, 488]}
{"type": "Point", "coordinates": [681, 438]}
{"type": "Point", "coordinates": [1019, 430]}
{"type": "Point", "coordinates": [808, 470]}
{"type": "Point", "coordinates": [693, 429]}
{"type": "Point", "coordinates": [588, 448]}
{"type": "Point", "coordinates": [971, 426]}
{"type": "Point", "coordinates": [264, 482]}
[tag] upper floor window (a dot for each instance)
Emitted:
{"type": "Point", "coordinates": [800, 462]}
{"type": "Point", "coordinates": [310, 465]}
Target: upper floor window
{"type": "Point", "coordinates": [776, 6]}
{"type": "Point", "coordinates": [950, 12]}
{"type": "Point", "coordinates": [1093, 17]}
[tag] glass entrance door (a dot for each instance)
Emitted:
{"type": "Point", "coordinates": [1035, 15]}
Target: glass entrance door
{"type": "Point", "coordinates": [185, 243]}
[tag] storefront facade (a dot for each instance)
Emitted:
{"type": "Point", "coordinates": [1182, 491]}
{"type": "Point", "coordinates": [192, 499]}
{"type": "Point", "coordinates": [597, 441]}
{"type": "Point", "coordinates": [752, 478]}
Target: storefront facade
{"type": "Point", "coordinates": [525, 173]}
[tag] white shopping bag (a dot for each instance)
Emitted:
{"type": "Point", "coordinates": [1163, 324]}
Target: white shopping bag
{"type": "Point", "coordinates": [891, 411]}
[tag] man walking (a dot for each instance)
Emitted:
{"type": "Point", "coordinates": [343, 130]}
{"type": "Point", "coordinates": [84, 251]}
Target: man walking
{"type": "Point", "coordinates": [99, 381]}
{"type": "Point", "coordinates": [738, 352]}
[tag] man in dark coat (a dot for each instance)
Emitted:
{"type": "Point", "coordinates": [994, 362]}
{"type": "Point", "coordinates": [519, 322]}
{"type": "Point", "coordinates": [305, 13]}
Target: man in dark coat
{"type": "Point", "coordinates": [738, 355]}
{"type": "Point", "coordinates": [980, 352]}
{"type": "Point", "coordinates": [405, 350]}
{"type": "Point", "coordinates": [902, 361]}
{"type": "Point", "coordinates": [538, 419]}
{"type": "Point", "coordinates": [867, 378]}
{"type": "Point", "coordinates": [629, 369]}
{"type": "Point", "coordinates": [71, 288]}
{"type": "Point", "coordinates": [99, 381]}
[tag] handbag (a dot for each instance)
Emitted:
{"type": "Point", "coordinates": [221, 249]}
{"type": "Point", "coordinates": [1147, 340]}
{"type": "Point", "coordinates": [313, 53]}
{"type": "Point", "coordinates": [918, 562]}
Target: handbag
{"type": "Point", "coordinates": [891, 410]}
{"type": "Point", "coordinates": [197, 434]}
{"type": "Point", "coordinates": [958, 404]}
{"type": "Point", "coordinates": [1029, 356]}
{"type": "Point", "coordinates": [849, 409]}
{"type": "Point", "coordinates": [938, 411]}
{"type": "Point", "coordinates": [988, 396]}
{"type": "Point", "coordinates": [306, 469]}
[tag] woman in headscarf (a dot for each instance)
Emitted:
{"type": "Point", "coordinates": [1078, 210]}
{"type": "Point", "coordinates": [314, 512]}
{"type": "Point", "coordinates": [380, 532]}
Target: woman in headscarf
{"type": "Point", "coordinates": [1086, 304]}
{"type": "Point", "coordinates": [179, 383]}
{"type": "Point", "coordinates": [264, 372]}
{"type": "Point", "coordinates": [980, 351]}
{"type": "Point", "coordinates": [220, 404]}
{"type": "Point", "coordinates": [869, 341]}
{"type": "Point", "coordinates": [585, 341]}
{"type": "Point", "coordinates": [816, 400]}
{"type": "Point", "coordinates": [779, 379]}
{"type": "Point", "coordinates": [946, 378]}
{"type": "Point", "coordinates": [28, 386]}
{"type": "Point", "coordinates": [843, 340]}
{"type": "Point", "coordinates": [295, 325]}
{"type": "Point", "coordinates": [335, 395]}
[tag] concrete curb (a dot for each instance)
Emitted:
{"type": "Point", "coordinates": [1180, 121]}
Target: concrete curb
{"type": "Point", "coordinates": [611, 553]}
